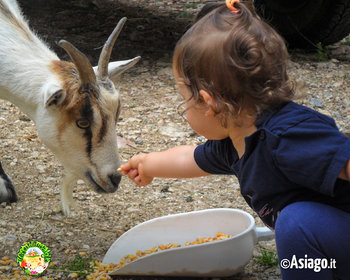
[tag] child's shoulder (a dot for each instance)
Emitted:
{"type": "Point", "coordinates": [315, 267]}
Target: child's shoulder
{"type": "Point", "coordinates": [293, 115]}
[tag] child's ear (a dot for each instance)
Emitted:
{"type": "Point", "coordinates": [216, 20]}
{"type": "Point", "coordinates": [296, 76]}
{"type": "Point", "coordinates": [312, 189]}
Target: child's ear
{"type": "Point", "coordinates": [209, 101]}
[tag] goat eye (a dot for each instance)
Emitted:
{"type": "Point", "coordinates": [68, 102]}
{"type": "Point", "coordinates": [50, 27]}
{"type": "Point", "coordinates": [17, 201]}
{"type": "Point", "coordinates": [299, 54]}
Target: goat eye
{"type": "Point", "coordinates": [83, 124]}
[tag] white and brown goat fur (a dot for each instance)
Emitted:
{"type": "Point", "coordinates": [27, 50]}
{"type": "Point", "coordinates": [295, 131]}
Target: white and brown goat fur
{"type": "Point", "coordinates": [75, 106]}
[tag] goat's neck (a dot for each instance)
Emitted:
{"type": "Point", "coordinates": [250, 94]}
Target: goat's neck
{"type": "Point", "coordinates": [24, 64]}
{"type": "Point", "coordinates": [22, 82]}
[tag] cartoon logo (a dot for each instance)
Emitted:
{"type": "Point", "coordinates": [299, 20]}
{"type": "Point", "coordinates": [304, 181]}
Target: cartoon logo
{"type": "Point", "coordinates": [33, 258]}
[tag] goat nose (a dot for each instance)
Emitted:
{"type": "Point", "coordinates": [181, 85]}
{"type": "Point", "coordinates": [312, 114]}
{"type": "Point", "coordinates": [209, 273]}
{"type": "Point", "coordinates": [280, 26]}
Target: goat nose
{"type": "Point", "coordinates": [115, 179]}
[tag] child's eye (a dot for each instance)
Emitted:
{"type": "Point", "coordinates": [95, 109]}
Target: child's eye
{"type": "Point", "coordinates": [83, 123]}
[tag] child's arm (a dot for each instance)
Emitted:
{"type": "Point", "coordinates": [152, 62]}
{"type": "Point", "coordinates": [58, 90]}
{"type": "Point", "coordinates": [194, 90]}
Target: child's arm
{"type": "Point", "coordinates": [176, 162]}
{"type": "Point", "coordinates": [345, 173]}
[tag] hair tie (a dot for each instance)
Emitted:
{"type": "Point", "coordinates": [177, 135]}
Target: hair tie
{"type": "Point", "coordinates": [231, 6]}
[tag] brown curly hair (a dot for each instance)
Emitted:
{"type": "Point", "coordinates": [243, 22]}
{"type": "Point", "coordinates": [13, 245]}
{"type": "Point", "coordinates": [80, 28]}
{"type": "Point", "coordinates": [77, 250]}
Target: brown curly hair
{"type": "Point", "coordinates": [238, 58]}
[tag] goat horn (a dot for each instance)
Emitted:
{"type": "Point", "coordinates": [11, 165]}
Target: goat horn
{"type": "Point", "coordinates": [102, 70]}
{"type": "Point", "coordinates": [86, 73]}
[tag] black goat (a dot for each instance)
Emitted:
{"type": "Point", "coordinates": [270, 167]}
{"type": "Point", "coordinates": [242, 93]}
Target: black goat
{"type": "Point", "coordinates": [7, 190]}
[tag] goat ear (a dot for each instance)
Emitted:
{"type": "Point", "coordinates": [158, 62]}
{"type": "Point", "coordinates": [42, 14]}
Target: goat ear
{"type": "Point", "coordinates": [116, 68]}
{"type": "Point", "coordinates": [54, 96]}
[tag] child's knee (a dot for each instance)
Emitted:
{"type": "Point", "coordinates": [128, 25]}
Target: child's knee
{"type": "Point", "coordinates": [294, 226]}
{"type": "Point", "coordinates": [299, 229]}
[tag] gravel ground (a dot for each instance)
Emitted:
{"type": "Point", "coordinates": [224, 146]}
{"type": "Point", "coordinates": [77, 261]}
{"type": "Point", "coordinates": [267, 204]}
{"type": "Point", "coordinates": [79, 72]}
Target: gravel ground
{"type": "Point", "coordinates": [148, 122]}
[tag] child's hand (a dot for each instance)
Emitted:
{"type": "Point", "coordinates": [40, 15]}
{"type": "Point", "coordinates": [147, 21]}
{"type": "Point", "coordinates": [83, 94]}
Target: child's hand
{"type": "Point", "coordinates": [134, 168]}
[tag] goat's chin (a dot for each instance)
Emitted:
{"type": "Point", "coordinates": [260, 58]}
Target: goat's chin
{"type": "Point", "coordinates": [94, 184]}
{"type": "Point", "coordinates": [105, 188]}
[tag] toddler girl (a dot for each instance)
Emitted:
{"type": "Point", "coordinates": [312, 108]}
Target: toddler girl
{"type": "Point", "coordinates": [292, 163]}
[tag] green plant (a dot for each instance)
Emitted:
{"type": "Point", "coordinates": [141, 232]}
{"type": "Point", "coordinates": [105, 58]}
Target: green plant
{"type": "Point", "coordinates": [322, 52]}
{"type": "Point", "coordinates": [267, 257]}
{"type": "Point", "coordinates": [80, 265]}
{"type": "Point", "coordinates": [185, 14]}
{"type": "Point", "coordinates": [346, 43]}
{"type": "Point", "coordinates": [191, 5]}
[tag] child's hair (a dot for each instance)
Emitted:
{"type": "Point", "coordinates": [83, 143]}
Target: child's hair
{"type": "Point", "coordinates": [239, 59]}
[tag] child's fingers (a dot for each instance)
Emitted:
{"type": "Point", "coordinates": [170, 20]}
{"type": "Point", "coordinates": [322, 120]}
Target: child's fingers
{"type": "Point", "coordinates": [133, 173]}
{"type": "Point", "coordinates": [145, 179]}
{"type": "Point", "coordinates": [122, 171]}
{"type": "Point", "coordinates": [138, 181]}
{"type": "Point", "coordinates": [131, 164]}
{"type": "Point", "coordinates": [124, 168]}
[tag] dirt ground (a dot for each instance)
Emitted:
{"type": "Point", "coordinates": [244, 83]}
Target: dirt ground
{"type": "Point", "coordinates": [149, 122]}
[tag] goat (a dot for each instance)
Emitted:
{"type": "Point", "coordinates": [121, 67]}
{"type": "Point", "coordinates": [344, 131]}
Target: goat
{"type": "Point", "coordinates": [75, 106]}
{"type": "Point", "coordinates": [7, 190]}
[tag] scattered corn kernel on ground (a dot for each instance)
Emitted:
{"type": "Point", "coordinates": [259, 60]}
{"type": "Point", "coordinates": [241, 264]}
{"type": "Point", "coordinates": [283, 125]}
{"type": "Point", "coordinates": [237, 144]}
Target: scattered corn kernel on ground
{"type": "Point", "coordinates": [101, 270]}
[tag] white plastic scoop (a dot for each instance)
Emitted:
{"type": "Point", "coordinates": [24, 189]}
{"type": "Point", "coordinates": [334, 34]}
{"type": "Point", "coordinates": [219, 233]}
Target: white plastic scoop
{"type": "Point", "coordinates": [213, 259]}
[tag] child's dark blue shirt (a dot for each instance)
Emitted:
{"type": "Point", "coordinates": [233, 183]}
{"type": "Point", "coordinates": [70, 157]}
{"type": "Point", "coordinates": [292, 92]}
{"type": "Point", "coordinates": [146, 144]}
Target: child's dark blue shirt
{"type": "Point", "coordinates": [296, 154]}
